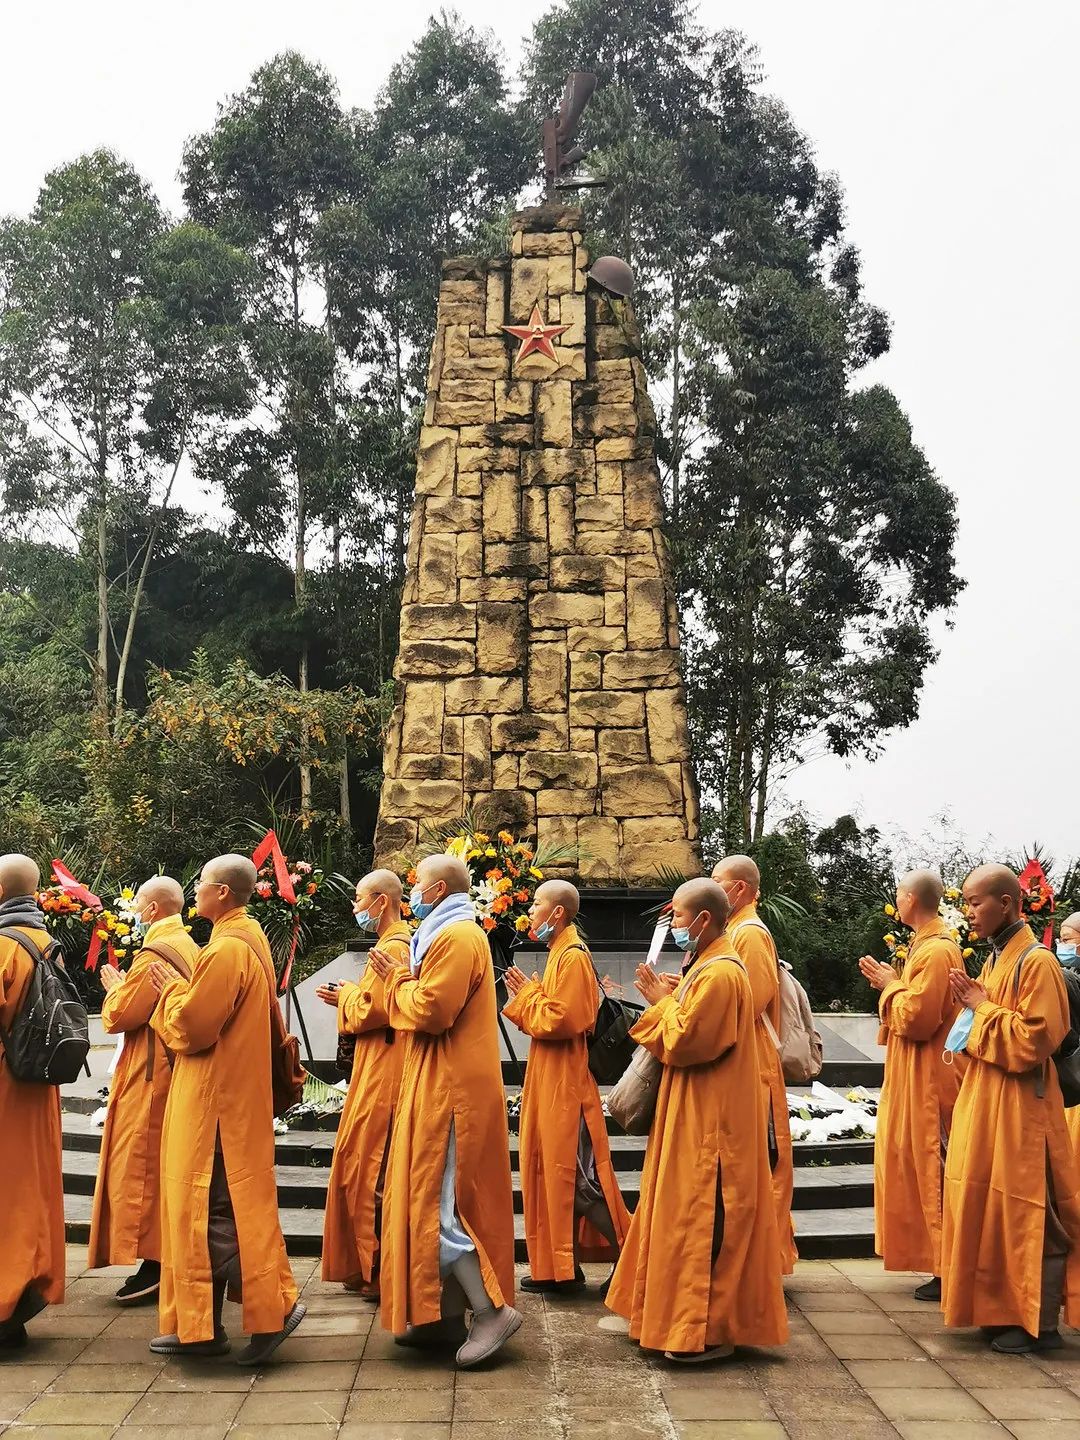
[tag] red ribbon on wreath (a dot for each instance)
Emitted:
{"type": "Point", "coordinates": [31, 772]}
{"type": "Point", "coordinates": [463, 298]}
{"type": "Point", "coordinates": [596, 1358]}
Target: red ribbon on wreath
{"type": "Point", "coordinates": [1033, 880]}
{"type": "Point", "coordinates": [270, 848]}
{"type": "Point", "coordinates": [70, 886]}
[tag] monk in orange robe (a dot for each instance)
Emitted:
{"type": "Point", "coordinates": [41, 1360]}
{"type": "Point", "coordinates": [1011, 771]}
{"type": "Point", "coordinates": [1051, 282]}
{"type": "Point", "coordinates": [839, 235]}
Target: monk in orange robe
{"type": "Point", "coordinates": [1010, 1244]}
{"type": "Point", "coordinates": [700, 1270]}
{"type": "Point", "coordinates": [32, 1247]}
{"type": "Point", "coordinates": [917, 1011]}
{"type": "Point", "coordinates": [219, 1216]}
{"type": "Point", "coordinates": [573, 1206]}
{"type": "Point", "coordinates": [448, 1220]}
{"type": "Point", "coordinates": [1068, 954]}
{"type": "Point", "coordinates": [740, 880]}
{"type": "Point", "coordinates": [125, 1225]}
{"type": "Point", "coordinates": [354, 1196]}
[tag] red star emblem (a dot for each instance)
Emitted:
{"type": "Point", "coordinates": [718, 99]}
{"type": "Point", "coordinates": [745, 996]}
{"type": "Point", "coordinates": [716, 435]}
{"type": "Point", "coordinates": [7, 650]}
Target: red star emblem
{"type": "Point", "coordinates": [535, 337]}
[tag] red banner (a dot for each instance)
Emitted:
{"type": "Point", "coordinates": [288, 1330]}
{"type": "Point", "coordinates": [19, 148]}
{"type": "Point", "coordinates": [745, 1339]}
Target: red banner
{"type": "Point", "coordinates": [1033, 880]}
{"type": "Point", "coordinates": [72, 887]}
{"type": "Point", "coordinates": [270, 848]}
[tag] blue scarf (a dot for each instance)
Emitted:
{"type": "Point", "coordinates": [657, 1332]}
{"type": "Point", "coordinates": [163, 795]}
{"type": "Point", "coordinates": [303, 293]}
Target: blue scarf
{"type": "Point", "coordinates": [450, 911]}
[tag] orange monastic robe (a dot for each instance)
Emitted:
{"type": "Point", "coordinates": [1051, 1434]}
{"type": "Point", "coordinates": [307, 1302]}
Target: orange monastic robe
{"type": "Point", "coordinates": [558, 1013]}
{"type": "Point", "coordinates": [126, 1225]}
{"type": "Point", "coordinates": [706, 1142]}
{"type": "Point", "coordinates": [349, 1239]}
{"type": "Point", "coordinates": [754, 946]}
{"type": "Point", "coordinates": [917, 1012]}
{"type": "Point", "coordinates": [1004, 1137]}
{"type": "Point", "coordinates": [218, 1027]}
{"type": "Point", "coordinates": [452, 1073]}
{"type": "Point", "coordinates": [32, 1248]}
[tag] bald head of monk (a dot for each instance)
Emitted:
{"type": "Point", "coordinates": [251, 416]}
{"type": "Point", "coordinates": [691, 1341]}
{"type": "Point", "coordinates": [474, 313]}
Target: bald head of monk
{"type": "Point", "coordinates": [19, 877]}
{"type": "Point", "coordinates": [1070, 933]}
{"type": "Point", "coordinates": [555, 906]}
{"type": "Point", "coordinates": [438, 876]}
{"type": "Point", "coordinates": [740, 880]}
{"type": "Point", "coordinates": [159, 898]}
{"type": "Point", "coordinates": [918, 895]}
{"type": "Point", "coordinates": [992, 899]}
{"type": "Point", "coordinates": [227, 882]}
{"type": "Point", "coordinates": [378, 901]}
{"type": "Point", "coordinates": [700, 910]}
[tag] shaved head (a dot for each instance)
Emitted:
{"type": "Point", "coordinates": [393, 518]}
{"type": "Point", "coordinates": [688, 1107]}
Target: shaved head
{"type": "Point", "coordinates": [698, 895]}
{"type": "Point", "coordinates": [381, 882]}
{"type": "Point", "coordinates": [164, 892]}
{"type": "Point", "coordinates": [554, 893]}
{"type": "Point", "coordinates": [738, 867]}
{"type": "Point", "coordinates": [925, 886]}
{"type": "Point", "coordinates": [19, 875]}
{"type": "Point", "coordinates": [1072, 924]}
{"type": "Point", "coordinates": [452, 872]}
{"type": "Point", "coordinates": [996, 880]}
{"type": "Point", "coordinates": [235, 871]}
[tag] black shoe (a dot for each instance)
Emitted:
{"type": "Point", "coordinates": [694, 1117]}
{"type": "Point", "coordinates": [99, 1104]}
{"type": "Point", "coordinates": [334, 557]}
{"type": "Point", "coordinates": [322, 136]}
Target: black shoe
{"type": "Point", "coordinates": [173, 1345]}
{"type": "Point", "coordinates": [143, 1286]}
{"type": "Point", "coordinates": [931, 1290]}
{"type": "Point", "coordinates": [1015, 1341]}
{"type": "Point", "coordinates": [260, 1347]}
{"type": "Point", "coordinates": [13, 1337]}
{"type": "Point", "coordinates": [605, 1286]}
{"type": "Point", "coordinates": [553, 1287]}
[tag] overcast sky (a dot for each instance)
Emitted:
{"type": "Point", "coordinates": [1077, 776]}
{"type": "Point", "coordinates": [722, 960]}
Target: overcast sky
{"type": "Point", "coordinates": [953, 129]}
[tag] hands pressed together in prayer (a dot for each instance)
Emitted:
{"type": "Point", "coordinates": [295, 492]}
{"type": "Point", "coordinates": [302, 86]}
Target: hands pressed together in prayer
{"type": "Point", "coordinates": [383, 965]}
{"type": "Point", "coordinates": [110, 976]}
{"type": "Point", "coordinates": [878, 974]}
{"type": "Point", "coordinates": [653, 985]}
{"type": "Point", "coordinates": [160, 974]}
{"type": "Point", "coordinates": [517, 979]}
{"type": "Point", "coordinates": [965, 990]}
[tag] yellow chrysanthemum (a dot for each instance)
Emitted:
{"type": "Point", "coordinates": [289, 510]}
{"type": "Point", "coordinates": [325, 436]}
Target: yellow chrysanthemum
{"type": "Point", "coordinates": [890, 909]}
{"type": "Point", "coordinates": [967, 952]}
{"type": "Point", "coordinates": [521, 923]}
{"type": "Point", "coordinates": [473, 854]}
{"type": "Point", "coordinates": [490, 851]}
{"type": "Point", "coordinates": [481, 839]}
{"type": "Point", "coordinates": [890, 939]}
{"type": "Point", "coordinates": [506, 837]}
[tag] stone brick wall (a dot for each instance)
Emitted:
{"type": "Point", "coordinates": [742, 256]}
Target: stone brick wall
{"type": "Point", "coordinates": [538, 677]}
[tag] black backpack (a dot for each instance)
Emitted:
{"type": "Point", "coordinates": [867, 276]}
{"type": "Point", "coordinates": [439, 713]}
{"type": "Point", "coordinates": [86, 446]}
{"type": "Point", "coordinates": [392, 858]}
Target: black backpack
{"type": "Point", "coordinates": [49, 1038]}
{"type": "Point", "coordinates": [1067, 1056]}
{"type": "Point", "coordinates": [610, 1046]}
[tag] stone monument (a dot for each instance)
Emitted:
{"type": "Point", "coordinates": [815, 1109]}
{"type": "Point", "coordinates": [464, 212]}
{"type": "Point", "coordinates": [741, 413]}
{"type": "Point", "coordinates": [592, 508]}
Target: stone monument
{"type": "Point", "coordinates": [538, 677]}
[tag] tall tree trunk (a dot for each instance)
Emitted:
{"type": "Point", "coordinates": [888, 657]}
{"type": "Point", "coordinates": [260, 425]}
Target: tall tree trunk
{"type": "Point", "coordinates": [140, 584]}
{"type": "Point", "coordinates": [676, 398]}
{"type": "Point", "coordinates": [298, 408]}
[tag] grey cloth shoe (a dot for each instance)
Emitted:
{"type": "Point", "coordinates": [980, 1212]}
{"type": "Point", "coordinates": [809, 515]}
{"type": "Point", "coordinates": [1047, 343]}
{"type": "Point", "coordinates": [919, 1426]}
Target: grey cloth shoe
{"type": "Point", "coordinates": [260, 1347]}
{"type": "Point", "coordinates": [1016, 1341]}
{"type": "Point", "coordinates": [173, 1345]}
{"type": "Point", "coordinates": [489, 1332]}
{"type": "Point", "coordinates": [445, 1334]}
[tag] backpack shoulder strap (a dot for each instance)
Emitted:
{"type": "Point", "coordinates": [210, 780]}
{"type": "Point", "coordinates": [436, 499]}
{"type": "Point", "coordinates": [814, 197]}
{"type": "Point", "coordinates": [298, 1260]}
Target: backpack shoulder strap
{"type": "Point", "coordinates": [170, 956]}
{"type": "Point", "coordinates": [29, 944]}
{"type": "Point", "coordinates": [1016, 973]}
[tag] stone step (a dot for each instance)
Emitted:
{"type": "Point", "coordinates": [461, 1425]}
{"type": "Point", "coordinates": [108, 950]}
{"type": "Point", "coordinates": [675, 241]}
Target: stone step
{"type": "Point", "coordinates": [305, 1186]}
{"type": "Point", "coordinates": [315, 1148]}
{"type": "Point", "coordinates": [820, 1234]}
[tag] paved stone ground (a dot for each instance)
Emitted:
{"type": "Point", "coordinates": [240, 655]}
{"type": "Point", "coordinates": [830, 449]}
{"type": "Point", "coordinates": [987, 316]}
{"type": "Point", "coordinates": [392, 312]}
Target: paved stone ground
{"type": "Point", "coordinates": [865, 1361]}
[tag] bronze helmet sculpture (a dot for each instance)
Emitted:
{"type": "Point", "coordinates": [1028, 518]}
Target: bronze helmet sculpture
{"type": "Point", "coordinates": [613, 275]}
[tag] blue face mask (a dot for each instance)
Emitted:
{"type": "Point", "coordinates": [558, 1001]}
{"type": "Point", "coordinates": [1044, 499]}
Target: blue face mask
{"type": "Point", "coordinates": [1066, 953]}
{"type": "Point", "coordinates": [957, 1038]}
{"type": "Point", "coordinates": [543, 933]}
{"type": "Point", "coordinates": [683, 939]}
{"type": "Point", "coordinates": [366, 922]}
{"type": "Point", "coordinates": [420, 907]}
{"type": "Point", "coordinates": [139, 927]}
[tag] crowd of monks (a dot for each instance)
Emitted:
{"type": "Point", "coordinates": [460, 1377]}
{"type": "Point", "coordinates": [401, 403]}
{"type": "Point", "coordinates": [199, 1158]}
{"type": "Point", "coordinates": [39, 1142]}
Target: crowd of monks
{"type": "Point", "coordinates": [976, 1179]}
